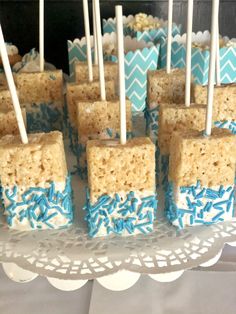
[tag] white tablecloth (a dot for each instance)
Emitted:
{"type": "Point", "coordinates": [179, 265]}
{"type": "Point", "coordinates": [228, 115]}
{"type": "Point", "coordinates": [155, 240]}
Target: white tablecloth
{"type": "Point", "coordinates": [209, 291]}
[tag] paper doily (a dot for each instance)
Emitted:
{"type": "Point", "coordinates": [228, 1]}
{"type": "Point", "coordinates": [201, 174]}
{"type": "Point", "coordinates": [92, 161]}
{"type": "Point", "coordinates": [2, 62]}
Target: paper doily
{"type": "Point", "coordinates": [70, 255]}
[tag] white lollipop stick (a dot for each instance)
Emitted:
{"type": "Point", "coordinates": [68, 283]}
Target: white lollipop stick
{"type": "Point", "coordinates": [121, 62]}
{"type": "Point", "coordinates": [12, 88]}
{"type": "Point", "coordinates": [94, 37]}
{"type": "Point", "coordinates": [88, 42]}
{"type": "Point", "coordinates": [41, 35]}
{"type": "Point", "coordinates": [218, 79]}
{"type": "Point", "coordinates": [188, 54]}
{"type": "Point", "coordinates": [100, 52]}
{"type": "Point", "coordinates": [211, 74]}
{"type": "Point", "coordinates": [169, 36]}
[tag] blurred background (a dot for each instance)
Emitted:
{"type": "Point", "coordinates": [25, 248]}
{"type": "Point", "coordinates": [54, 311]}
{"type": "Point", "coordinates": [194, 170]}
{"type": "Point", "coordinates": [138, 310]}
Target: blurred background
{"type": "Point", "coordinates": [64, 20]}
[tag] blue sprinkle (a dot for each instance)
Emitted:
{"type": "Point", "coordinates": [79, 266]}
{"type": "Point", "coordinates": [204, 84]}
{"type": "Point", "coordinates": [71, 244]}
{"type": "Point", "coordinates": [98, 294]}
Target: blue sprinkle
{"type": "Point", "coordinates": [218, 205]}
{"type": "Point", "coordinates": [207, 200]}
{"type": "Point", "coordinates": [229, 189]}
{"type": "Point", "coordinates": [117, 197]}
{"type": "Point", "coordinates": [207, 207]}
{"type": "Point", "coordinates": [200, 194]}
{"type": "Point", "coordinates": [36, 203]}
{"type": "Point", "coordinates": [50, 216]}
{"type": "Point", "coordinates": [191, 220]}
{"type": "Point", "coordinates": [229, 204]}
{"type": "Point", "coordinates": [148, 198]}
{"type": "Point", "coordinates": [114, 214]}
{"type": "Point", "coordinates": [189, 203]}
{"type": "Point", "coordinates": [218, 216]}
{"type": "Point", "coordinates": [109, 132]}
{"type": "Point", "coordinates": [221, 191]}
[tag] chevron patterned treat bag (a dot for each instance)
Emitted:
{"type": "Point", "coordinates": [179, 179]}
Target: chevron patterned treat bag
{"type": "Point", "coordinates": [200, 56]}
{"type": "Point", "coordinates": [139, 58]}
{"type": "Point", "coordinates": [177, 54]}
{"type": "Point", "coordinates": [142, 27]}
{"type": "Point", "coordinates": [109, 25]}
{"type": "Point", "coordinates": [77, 51]}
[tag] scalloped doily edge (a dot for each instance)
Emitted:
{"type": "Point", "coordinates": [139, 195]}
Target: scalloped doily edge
{"type": "Point", "coordinates": [119, 280]}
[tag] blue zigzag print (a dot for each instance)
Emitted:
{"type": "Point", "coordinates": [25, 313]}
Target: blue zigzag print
{"type": "Point", "coordinates": [200, 62]}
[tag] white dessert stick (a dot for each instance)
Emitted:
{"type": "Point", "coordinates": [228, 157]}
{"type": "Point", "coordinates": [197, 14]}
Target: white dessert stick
{"type": "Point", "coordinates": [218, 79]}
{"type": "Point", "coordinates": [211, 74]}
{"type": "Point", "coordinates": [88, 42]}
{"type": "Point", "coordinates": [100, 52]}
{"type": "Point", "coordinates": [169, 36]}
{"type": "Point", "coordinates": [94, 37]}
{"type": "Point", "coordinates": [121, 62]}
{"type": "Point", "coordinates": [41, 35]}
{"type": "Point", "coordinates": [188, 53]}
{"type": "Point", "coordinates": [12, 88]}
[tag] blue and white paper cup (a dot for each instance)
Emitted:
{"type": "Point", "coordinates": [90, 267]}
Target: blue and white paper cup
{"type": "Point", "coordinates": [77, 51]}
{"type": "Point", "coordinates": [153, 35]}
{"type": "Point", "coordinates": [109, 25]}
{"type": "Point", "coordinates": [139, 58]}
{"type": "Point", "coordinates": [201, 56]}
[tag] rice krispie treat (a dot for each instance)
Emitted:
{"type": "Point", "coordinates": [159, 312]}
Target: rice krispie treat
{"type": "Point", "coordinates": [174, 118]}
{"type": "Point", "coordinates": [224, 104]}
{"type": "Point", "coordinates": [8, 122]}
{"type": "Point", "coordinates": [5, 99]}
{"type": "Point", "coordinates": [121, 197]}
{"type": "Point", "coordinates": [201, 178]}
{"type": "Point", "coordinates": [35, 184]}
{"type": "Point", "coordinates": [99, 120]}
{"type": "Point", "coordinates": [84, 92]}
{"type": "Point", "coordinates": [41, 93]}
{"type": "Point", "coordinates": [163, 88]}
{"type": "Point", "coordinates": [81, 71]}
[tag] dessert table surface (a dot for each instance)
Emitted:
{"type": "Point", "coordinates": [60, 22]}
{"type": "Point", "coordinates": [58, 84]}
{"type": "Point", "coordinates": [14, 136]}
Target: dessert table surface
{"type": "Point", "coordinates": [210, 290]}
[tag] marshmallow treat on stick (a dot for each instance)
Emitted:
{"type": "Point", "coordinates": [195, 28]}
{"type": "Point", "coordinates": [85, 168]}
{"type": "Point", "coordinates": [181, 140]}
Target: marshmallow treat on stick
{"type": "Point", "coordinates": [125, 196]}
{"type": "Point", "coordinates": [35, 185]}
{"type": "Point", "coordinates": [12, 118]}
{"type": "Point", "coordinates": [178, 117]}
{"type": "Point", "coordinates": [202, 165]}
{"type": "Point", "coordinates": [224, 113]}
{"type": "Point", "coordinates": [100, 119]}
{"type": "Point", "coordinates": [165, 86]}
{"type": "Point", "coordinates": [84, 91]}
{"type": "Point", "coordinates": [41, 93]}
{"type": "Point", "coordinates": [85, 71]}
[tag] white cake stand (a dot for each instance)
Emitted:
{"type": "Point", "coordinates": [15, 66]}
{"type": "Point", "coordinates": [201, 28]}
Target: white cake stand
{"type": "Point", "coordinates": [69, 258]}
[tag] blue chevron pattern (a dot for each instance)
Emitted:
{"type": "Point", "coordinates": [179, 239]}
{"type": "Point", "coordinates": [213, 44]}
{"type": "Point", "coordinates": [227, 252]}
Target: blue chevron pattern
{"type": "Point", "coordinates": [153, 35]}
{"type": "Point", "coordinates": [136, 66]}
{"type": "Point", "coordinates": [200, 62]}
{"type": "Point", "coordinates": [76, 52]}
{"type": "Point", "coordinates": [109, 26]}
{"type": "Point", "coordinates": [177, 54]}
{"type": "Point", "coordinates": [227, 124]}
